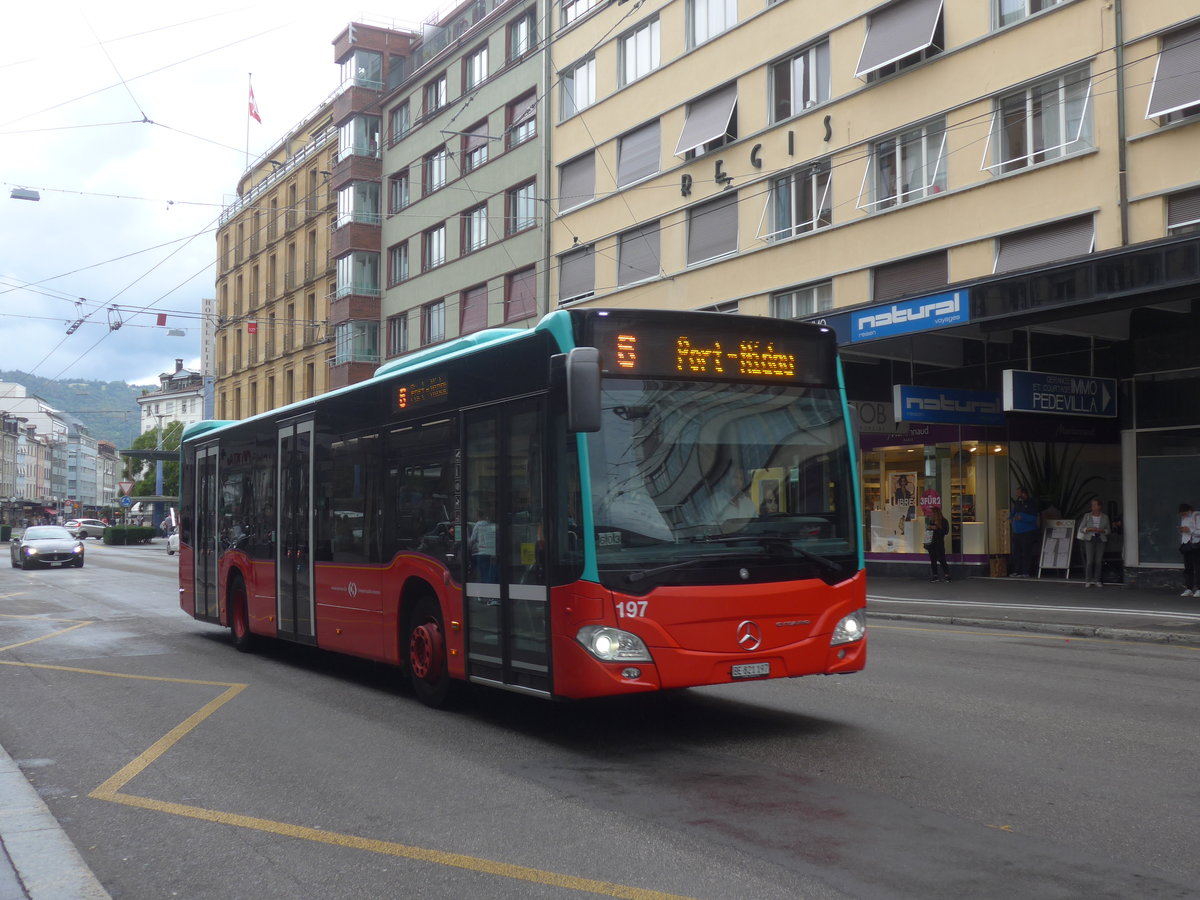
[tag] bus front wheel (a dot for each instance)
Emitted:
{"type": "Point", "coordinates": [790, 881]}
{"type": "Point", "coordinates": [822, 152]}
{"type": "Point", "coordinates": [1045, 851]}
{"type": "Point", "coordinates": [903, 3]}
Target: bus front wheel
{"type": "Point", "coordinates": [239, 616]}
{"type": "Point", "coordinates": [426, 642]}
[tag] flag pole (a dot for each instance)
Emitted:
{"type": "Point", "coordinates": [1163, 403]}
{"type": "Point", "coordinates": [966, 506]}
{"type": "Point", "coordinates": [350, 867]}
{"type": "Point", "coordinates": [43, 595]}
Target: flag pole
{"type": "Point", "coordinates": [249, 91]}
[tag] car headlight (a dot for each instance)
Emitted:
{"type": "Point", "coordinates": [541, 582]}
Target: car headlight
{"type": "Point", "coordinates": [852, 628]}
{"type": "Point", "coordinates": [30, 551]}
{"type": "Point", "coordinates": [613, 644]}
{"type": "Point", "coordinates": [78, 548]}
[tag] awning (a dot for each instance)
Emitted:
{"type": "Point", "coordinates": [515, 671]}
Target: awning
{"type": "Point", "coordinates": [1044, 245]}
{"type": "Point", "coordinates": [897, 31]}
{"type": "Point", "coordinates": [707, 119]}
{"type": "Point", "coordinates": [1177, 75]}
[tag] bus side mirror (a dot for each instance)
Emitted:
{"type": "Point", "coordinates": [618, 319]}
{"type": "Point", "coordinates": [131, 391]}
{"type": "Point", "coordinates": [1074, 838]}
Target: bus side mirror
{"type": "Point", "coordinates": [583, 389]}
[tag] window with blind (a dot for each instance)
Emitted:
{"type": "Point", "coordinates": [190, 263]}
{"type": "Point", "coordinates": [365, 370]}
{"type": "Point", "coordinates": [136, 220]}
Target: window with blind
{"type": "Point", "coordinates": [473, 312]}
{"type": "Point", "coordinates": [520, 294]}
{"type": "Point", "coordinates": [911, 277]}
{"type": "Point", "coordinates": [637, 154]}
{"type": "Point", "coordinates": [1045, 244]}
{"type": "Point", "coordinates": [475, 146]}
{"type": "Point", "coordinates": [899, 36]}
{"type": "Point", "coordinates": [577, 181]}
{"type": "Point", "coordinates": [713, 229]}
{"type": "Point", "coordinates": [521, 115]}
{"type": "Point", "coordinates": [638, 254]}
{"type": "Point", "coordinates": [1176, 91]}
{"type": "Point", "coordinates": [711, 122]}
{"type": "Point", "coordinates": [576, 274]}
{"type": "Point", "coordinates": [1183, 212]}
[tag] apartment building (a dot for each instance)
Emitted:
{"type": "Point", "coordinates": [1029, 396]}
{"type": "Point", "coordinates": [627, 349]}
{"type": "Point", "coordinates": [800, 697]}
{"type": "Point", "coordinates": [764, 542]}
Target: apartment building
{"type": "Point", "coordinates": [464, 170]}
{"type": "Point", "coordinates": [992, 202]}
{"type": "Point", "coordinates": [275, 275]}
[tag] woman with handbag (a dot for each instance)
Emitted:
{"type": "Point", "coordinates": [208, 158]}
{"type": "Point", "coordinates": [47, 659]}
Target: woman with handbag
{"type": "Point", "coordinates": [1189, 548]}
{"type": "Point", "coordinates": [936, 529]}
{"type": "Point", "coordinates": [1093, 532]}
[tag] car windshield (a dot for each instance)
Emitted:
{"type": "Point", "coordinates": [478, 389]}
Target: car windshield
{"type": "Point", "coordinates": [48, 533]}
{"type": "Point", "coordinates": [693, 482]}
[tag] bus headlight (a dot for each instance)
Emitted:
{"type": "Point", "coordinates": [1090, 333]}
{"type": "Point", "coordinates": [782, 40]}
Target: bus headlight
{"type": "Point", "coordinates": [612, 644]}
{"type": "Point", "coordinates": [850, 629]}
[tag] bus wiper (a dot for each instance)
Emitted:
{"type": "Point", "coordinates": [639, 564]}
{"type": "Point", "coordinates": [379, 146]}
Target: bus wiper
{"type": "Point", "coordinates": [639, 574]}
{"type": "Point", "coordinates": [777, 540]}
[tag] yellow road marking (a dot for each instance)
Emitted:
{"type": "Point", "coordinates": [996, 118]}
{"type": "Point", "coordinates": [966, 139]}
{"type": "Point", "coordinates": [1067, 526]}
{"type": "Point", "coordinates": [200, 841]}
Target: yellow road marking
{"type": "Point", "coordinates": [45, 636]}
{"type": "Point", "coordinates": [110, 791]}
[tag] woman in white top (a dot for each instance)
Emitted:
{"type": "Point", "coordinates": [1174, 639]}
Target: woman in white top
{"type": "Point", "coordinates": [1093, 531]}
{"type": "Point", "coordinates": [1189, 547]}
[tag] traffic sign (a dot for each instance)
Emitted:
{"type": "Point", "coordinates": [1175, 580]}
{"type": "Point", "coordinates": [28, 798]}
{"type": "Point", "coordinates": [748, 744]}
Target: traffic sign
{"type": "Point", "coordinates": [126, 487]}
{"type": "Point", "coordinates": [127, 502]}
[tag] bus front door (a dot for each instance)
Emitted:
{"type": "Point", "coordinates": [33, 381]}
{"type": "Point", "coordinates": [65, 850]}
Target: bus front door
{"type": "Point", "coordinates": [294, 533]}
{"type": "Point", "coordinates": [205, 539]}
{"type": "Point", "coordinates": [506, 605]}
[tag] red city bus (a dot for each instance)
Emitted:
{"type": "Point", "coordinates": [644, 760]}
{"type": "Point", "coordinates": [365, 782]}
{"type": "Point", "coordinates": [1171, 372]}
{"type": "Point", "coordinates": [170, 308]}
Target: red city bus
{"type": "Point", "coordinates": [611, 502]}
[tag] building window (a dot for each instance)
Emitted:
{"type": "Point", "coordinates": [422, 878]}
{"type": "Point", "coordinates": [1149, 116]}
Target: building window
{"type": "Point", "coordinates": [802, 301]}
{"type": "Point", "coordinates": [638, 154]}
{"type": "Point", "coordinates": [356, 342]}
{"type": "Point", "coordinates": [1183, 212]}
{"type": "Point", "coordinates": [434, 94]}
{"type": "Point", "coordinates": [708, 18]}
{"type": "Point", "coordinates": [521, 119]}
{"type": "Point", "coordinates": [433, 247]}
{"type": "Point", "coordinates": [397, 263]}
{"type": "Point", "coordinates": [358, 202]}
{"type": "Point", "coordinates": [911, 277]}
{"type": "Point", "coordinates": [1010, 11]}
{"type": "Point", "coordinates": [520, 294]}
{"type": "Point", "coordinates": [397, 334]}
{"type": "Point", "coordinates": [908, 166]}
{"type": "Point", "coordinates": [576, 274]}
{"type": "Point", "coordinates": [474, 228]}
{"type": "Point", "coordinates": [800, 81]}
{"type": "Point", "coordinates": [801, 201]}
{"type": "Point", "coordinates": [473, 309]}
{"type": "Point", "coordinates": [1043, 121]}
{"type": "Point", "coordinates": [578, 87]}
{"type": "Point", "coordinates": [712, 229]}
{"type": "Point", "coordinates": [398, 193]}
{"type": "Point", "coordinates": [522, 34]}
{"type": "Point", "coordinates": [899, 36]}
{"type": "Point", "coordinates": [638, 254]}
{"type": "Point", "coordinates": [400, 121]}
{"type": "Point", "coordinates": [359, 137]}
{"type": "Point", "coordinates": [522, 207]}
{"type": "Point", "coordinates": [1045, 244]}
{"type": "Point", "coordinates": [711, 123]}
{"type": "Point", "coordinates": [1176, 92]}
{"type": "Point", "coordinates": [363, 68]}
{"type": "Point", "coordinates": [433, 322]}
{"type": "Point", "coordinates": [573, 9]}
{"type": "Point", "coordinates": [639, 52]}
{"type": "Point", "coordinates": [358, 273]}
{"type": "Point", "coordinates": [475, 146]}
{"type": "Point", "coordinates": [577, 181]}
{"type": "Point", "coordinates": [434, 170]}
{"type": "Point", "coordinates": [725, 307]}
{"type": "Point", "coordinates": [475, 68]}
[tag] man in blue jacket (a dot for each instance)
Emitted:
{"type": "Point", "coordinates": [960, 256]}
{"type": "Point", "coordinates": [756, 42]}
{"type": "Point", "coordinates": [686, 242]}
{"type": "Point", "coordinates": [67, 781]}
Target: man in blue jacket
{"type": "Point", "coordinates": [1026, 523]}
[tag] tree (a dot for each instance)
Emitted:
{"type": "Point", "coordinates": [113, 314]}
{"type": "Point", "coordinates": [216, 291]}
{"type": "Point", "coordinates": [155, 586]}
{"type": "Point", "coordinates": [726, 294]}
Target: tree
{"type": "Point", "coordinates": [142, 471]}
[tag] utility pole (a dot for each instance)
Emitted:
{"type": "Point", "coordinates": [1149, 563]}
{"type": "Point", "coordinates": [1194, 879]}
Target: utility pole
{"type": "Point", "coordinates": [156, 518]}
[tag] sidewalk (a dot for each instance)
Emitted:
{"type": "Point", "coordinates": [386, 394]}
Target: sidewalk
{"type": "Point", "coordinates": [1049, 605]}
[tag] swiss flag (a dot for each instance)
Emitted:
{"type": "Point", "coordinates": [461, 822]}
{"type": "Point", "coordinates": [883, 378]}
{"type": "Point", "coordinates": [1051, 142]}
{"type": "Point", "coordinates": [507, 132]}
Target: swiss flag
{"type": "Point", "coordinates": [162, 318]}
{"type": "Point", "coordinates": [254, 107]}
{"type": "Point", "coordinates": [252, 328]}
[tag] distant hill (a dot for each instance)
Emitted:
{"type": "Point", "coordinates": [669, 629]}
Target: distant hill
{"type": "Point", "coordinates": [108, 408]}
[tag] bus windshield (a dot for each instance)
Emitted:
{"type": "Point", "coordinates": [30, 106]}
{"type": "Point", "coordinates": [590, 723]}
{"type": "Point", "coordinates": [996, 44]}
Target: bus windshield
{"type": "Point", "coordinates": [718, 483]}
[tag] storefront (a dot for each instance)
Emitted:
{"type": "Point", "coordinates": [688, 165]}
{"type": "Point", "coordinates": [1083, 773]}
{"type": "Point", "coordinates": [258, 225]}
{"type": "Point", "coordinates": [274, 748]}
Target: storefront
{"type": "Point", "coordinates": [1079, 380]}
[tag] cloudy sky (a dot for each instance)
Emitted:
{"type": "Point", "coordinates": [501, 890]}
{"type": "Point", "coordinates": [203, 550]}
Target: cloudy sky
{"type": "Point", "coordinates": [130, 120]}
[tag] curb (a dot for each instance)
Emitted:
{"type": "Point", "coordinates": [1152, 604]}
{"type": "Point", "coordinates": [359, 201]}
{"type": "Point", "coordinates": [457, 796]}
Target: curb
{"type": "Point", "coordinates": [44, 861]}
{"type": "Point", "coordinates": [1080, 631]}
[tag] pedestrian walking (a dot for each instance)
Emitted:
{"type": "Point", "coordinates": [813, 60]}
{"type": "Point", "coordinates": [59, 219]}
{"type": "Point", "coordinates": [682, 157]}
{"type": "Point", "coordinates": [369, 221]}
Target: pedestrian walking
{"type": "Point", "coordinates": [1093, 532]}
{"type": "Point", "coordinates": [1026, 523]}
{"type": "Point", "coordinates": [936, 529]}
{"type": "Point", "coordinates": [1189, 549]}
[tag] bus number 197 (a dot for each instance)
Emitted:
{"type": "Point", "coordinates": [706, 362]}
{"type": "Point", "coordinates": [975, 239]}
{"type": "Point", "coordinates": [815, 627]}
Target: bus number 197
{"type": "Point", "coordinates": [632, 609]}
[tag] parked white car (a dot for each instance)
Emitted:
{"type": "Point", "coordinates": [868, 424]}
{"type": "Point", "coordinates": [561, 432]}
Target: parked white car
{"type": "Point", "coordinates": [86, 528]}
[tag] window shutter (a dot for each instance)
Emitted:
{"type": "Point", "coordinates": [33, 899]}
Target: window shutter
{"type": "Point", "coordinates": [911, 277]}
{"type": "Point", "coordinates": [522, 294]}
{"type": "Point", "coordinates": [474, 309]}
{"type": "Point", "coordinates": [638, 156]}
{"type": "Point", "coordinates": [713, 228]}
{"type": "Point", "coordinates": [1177, 75]}
{"type": "Point", "coordinates": [707, 119]}
{"type": "Point", "coordinates": [1047, 244]}
{"type": "Point", "coordinates": [577, 181]}
{"type": "Point", "coordinates": [576, 274]}
{"type": "Point", "coordinates": [638, 254]}
{"type": "Point", "coordinates": [1183, 209]}
{"type": "Point", "coordinates": [897, 31]}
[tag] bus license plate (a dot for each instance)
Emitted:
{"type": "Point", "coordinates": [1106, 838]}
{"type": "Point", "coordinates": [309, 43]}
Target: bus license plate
{"type": "Point", "coordinates": [751, 670]}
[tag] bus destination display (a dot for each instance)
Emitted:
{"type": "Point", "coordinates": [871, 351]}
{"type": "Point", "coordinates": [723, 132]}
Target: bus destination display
{"type": "Point", "coordinates": [653, 350]}
{"type": "Point", "coordinates": [418, 393]}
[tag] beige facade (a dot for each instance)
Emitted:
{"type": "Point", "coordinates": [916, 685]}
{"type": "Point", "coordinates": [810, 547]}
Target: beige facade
{"type": "Point", "coordinates": [1021, 124]}
{"type": "Point", "coordinates": [275, 275]}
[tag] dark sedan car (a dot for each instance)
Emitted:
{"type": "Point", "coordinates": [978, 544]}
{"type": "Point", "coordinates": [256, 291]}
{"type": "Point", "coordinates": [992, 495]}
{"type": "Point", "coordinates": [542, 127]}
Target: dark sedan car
{"type": "Point", "coordinates": [46, 545]}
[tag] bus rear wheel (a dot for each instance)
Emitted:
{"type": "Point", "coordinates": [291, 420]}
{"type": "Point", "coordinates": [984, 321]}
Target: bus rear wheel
{"type": "Point", "coordinates": [426, 643]}
{"type": "Point", "coordinates": [239, 616]}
